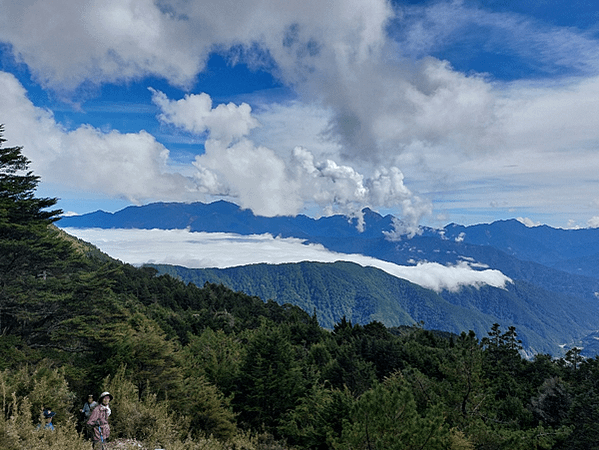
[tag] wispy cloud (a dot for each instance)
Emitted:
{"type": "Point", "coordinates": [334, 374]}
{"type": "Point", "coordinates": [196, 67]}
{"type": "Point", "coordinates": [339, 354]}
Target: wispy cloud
{"type": "Point", "coordinates": [221, 250]}
{"type": "Point", "coordinates": [537, 46]}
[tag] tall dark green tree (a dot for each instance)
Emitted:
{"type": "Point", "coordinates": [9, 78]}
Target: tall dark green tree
{"type": "Point", "coordinates": [29, 249]}
{"type": "Point", "coordinates": [574, 357]}
{"type": "Point", "coordinates": [387, 417]}
{"type": "Point", "coordinates": [270, 382]}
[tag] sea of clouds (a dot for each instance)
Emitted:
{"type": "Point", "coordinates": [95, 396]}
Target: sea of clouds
{"type": "Point", "coordinates": [221, 250]}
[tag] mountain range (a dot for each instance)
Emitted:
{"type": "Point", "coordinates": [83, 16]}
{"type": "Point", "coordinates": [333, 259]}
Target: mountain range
{"type": "Point", "coordinates": [552, 298]}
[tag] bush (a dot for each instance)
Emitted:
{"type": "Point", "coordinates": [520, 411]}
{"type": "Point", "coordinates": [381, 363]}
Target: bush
{"type": "Point", "coordinates": [42, 385]}
{"type": "Point", "coordinates": [134, 421]}
{"type": "Point", "coordinates": [145, 419]}
{"type": "Point", "coordinates": [18, 430]}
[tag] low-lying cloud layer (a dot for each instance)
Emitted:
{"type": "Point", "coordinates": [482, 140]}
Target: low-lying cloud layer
{"type": "Point", "coordinates": [221, 250]}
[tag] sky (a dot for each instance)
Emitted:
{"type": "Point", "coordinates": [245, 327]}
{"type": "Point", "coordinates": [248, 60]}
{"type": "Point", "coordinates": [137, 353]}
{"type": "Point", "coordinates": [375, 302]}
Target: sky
{"type": "Point", "coordinates": [433, 111]}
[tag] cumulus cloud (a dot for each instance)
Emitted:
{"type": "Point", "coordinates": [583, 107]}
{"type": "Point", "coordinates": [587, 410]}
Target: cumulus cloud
{"type": "Point", "coordinates": [221, 250]}
{"type": "Point", "coordinates": [272, 182]}
{"type": "Point", "coordinates": [126, 165]}
{"type": "Point", "coordinates": [593, 222]}
{"type": "Point", "coordinates": [195, 114]}
{"type": "Point", "coordinates": [110, 41]}
{"type": "Point", "coordinates": [335, 52]}
{"type": "Point", "coordinates": [107, 41]}
{"type": "Point", "coordinates": [136, 167]}
{"type": "Point", "coordinates": [254, 175]}
{"type": "Point", "coordinates": [361, 67]}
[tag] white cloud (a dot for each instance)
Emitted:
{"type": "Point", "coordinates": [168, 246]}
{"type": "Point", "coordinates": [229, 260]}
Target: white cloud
{"type": "Point", "coordinates": [528, 222]}
{"type": "Point", "coordinates": [593, 222]}
{"type": "Point", "coordinates": [428, 28]}
{"type": "Point", "coordinates": [194, 113]}
{"type": "Point", "coordinates": [111, 41]}
{"type": "Point", "coordinates": [70, 42]}
{"type": "Point", "coordinates": [221, 250]}
{"type": "Point", "coordinates": [375, 100]}
{"type": "Point", "coordinates": [280, 182]}
{"type": "Point", "coordinates": [136, 167]}
{"type": "Point", "coordinates": [131, 165]}
{"type": "Point", "coordinates": [332, 51]}
{"type": "Point", "coordinates": [254, 175]}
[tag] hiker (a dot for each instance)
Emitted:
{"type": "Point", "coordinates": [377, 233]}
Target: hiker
{"type": "Point", "coordinates": [48, 415]}
{"type": "Point", "coordinates": [87, 409]}
{"type": "Point", "coordinates": [98, 421]}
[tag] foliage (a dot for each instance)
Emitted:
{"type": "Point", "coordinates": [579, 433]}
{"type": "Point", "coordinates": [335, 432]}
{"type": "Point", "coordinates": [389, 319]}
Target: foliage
{"type": "Point", "coordinates": [366, 294]}
{"type": "Point", "coordinates": [208, 368]}
{"type": "Point", "coordinates": [270, 380]}
{"type": "Point", "coordinates": [29, 249]}
{"type": "Point", "coordinates": [144, 418]}
{"type": "Point", "coordinates": [387, 417]}
{"type": "Point", "coordinates": [317, 420]}
{"type": "Point", "coordinates": [215, 355]}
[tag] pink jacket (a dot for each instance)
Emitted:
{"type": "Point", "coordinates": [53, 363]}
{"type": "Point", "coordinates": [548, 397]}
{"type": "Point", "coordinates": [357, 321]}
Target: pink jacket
{"type": "Point", "coordinates": [99, 418]}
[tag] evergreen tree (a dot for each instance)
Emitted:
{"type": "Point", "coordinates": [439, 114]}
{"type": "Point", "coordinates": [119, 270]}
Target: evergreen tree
{"type": "Point", "coordinates": [148, 356]}
{"type": "Point", "coordinates": [215, 355]}
{"type": "Point", "coordinates": [24, 218]}
{"type": "Point", "coordinates": [463, 386]}
{"type": "Point", "coordinates": [574, 357]}
{"type": "Point", "coordinates": [386, 417]}
{"type": "Point", "coordinates": [317, 420]}
{"type": "Point", "coordinates": [29, 250]}
{"type": "Point", "coordinates": [270, 381]}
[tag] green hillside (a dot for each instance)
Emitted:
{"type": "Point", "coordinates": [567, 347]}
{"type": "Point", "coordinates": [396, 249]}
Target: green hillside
{"type": "Point", "coordinates": [366, 294]}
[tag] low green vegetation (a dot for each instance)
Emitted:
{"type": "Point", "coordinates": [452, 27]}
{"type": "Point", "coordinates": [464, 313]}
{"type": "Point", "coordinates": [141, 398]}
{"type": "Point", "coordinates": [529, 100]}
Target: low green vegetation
{"type": "Point", "coordinates": [209, 368]}
{"type": "Point", "coordinates": [546, 321]}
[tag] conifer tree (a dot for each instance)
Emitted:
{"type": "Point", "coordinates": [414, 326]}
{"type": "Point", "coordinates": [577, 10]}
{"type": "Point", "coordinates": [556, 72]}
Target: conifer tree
{"type": "Point", "coordinates": [270, 381]}
{"type": "Point", "coordinates": [387, 417]}
{"type": "Point", "coordinates": [27, 247]}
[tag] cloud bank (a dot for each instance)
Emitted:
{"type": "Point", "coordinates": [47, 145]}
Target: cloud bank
{"type": "Point", "coordinates": [221, 250]}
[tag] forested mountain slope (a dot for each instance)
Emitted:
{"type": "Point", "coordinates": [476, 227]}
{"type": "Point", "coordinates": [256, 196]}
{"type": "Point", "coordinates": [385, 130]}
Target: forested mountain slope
{"type": "Point", "coordinates": [363, 294]}
{"type": "Point", "coordinates": [554, 271]}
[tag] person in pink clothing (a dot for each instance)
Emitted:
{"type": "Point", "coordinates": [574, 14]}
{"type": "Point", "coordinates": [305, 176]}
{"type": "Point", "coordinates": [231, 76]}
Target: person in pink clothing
{"type": "Point", "coordinates": [98, 421]}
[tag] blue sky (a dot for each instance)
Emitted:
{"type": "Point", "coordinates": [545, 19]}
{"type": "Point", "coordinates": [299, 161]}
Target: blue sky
{"type": "Point", "coordinates": [436, 111]}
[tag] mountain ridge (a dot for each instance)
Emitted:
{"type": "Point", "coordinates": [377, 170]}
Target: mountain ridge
{"type": "Point", "coordinates": [364, 294]}
{"type": "Point", "coordinates": [553, 270]}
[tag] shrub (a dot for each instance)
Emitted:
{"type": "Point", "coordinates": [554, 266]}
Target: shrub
{"type": "Point", "coordinates": [145, 419]}
{"type": "Point", "coordinates": [43, 386]}
{"type": "Point", "coordinates": [18, 430]}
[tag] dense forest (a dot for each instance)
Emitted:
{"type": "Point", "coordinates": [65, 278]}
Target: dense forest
{"type": "Point", "coordinates": [366, 294]}
{"type": "Point", "coordinates": [209, 368]}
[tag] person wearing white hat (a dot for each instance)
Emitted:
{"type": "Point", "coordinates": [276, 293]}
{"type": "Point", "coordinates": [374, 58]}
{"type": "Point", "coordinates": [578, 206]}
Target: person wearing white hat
{"type": "Point", "coordinates": [98, 420]}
